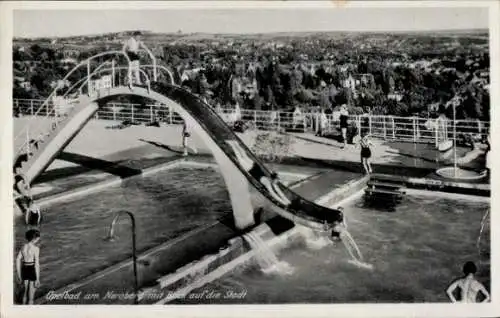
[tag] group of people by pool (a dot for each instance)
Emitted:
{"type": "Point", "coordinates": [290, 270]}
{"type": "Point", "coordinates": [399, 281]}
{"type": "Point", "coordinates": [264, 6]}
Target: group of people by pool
{"type": "Point", "coordinates": [28, 258]}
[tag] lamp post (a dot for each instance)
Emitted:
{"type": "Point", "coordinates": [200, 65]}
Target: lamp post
{"type": "Point", "coordinates": [134, 254]}
{"type": "Point", "coordinates": [454, 140]}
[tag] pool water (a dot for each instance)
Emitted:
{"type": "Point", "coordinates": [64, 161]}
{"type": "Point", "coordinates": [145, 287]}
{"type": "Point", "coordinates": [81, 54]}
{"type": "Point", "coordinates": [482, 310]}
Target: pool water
{"type": "Point", "coordinates": [166, 205]}
{"type": "Point", "coordinates": [416, 251]}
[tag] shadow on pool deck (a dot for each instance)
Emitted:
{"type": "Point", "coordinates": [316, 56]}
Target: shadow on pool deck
{"type": "Point", "coordinates": [178, 150]}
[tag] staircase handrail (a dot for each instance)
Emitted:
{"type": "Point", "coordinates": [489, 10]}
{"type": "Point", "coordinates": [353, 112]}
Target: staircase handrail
{"type": "Point", "coordinates": [49, 98]}
{"type": "Point", "coordinates": [51, 110]}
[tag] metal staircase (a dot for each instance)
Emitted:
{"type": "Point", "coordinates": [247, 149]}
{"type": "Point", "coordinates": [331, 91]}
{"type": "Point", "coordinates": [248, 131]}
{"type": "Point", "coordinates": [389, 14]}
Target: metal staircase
{"type": "Point", "coordinates": [42, 142]}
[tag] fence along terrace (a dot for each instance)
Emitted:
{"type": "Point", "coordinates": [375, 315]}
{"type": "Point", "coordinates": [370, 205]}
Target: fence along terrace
{"type": "Point", "coordinates": [409, 129]}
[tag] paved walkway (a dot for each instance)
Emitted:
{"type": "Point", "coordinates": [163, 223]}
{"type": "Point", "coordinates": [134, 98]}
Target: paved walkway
{"type": "Point", "coordinates": [97, 140]}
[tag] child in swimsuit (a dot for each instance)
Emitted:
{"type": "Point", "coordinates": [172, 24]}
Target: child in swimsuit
{"type": "Point", "coordinates": [366, 153]}
{"type": "Point", "coordinates": [468, 285]}
{"type": "Point", "coordinates": [28, 266]}
{"type": "Point", "coordinates": [272, 184]}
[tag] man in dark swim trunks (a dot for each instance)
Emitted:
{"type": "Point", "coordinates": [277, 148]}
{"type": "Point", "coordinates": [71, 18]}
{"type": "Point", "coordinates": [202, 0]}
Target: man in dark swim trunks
{"type": "Point", "coordinates": [28, 266]}
{"type": "Point", "coordinates": [131, 49]}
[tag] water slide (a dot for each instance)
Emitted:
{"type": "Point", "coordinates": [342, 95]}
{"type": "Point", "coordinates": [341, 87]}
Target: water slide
{"type": "Point", "coordinates": [300, 211]}
{"type": "Point", "coordinates": [218, 134]}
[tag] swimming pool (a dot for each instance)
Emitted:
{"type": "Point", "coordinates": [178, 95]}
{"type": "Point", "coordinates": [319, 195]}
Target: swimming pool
{"type": "Point", "coordinates": [416, 251]}
{"type": "Point", "coordinates": [166, 205]}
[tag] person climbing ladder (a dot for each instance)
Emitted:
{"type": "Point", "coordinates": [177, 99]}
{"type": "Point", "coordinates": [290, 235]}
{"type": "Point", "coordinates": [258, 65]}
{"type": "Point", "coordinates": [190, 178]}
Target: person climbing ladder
{"type": "Point", "coordinates": [271, 184]}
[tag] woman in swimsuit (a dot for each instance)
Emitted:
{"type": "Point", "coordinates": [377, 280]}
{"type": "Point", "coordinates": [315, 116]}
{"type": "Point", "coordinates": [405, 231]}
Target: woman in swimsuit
{"type": "Point", "coordinates": [272, 185]}
{"type": "Point", "coordinates": [366, 153]}
{"type": "Point", "coordinates": [28, 266]}
{"type": "Point", "coordinates": [33, 216]}
{"type": "Point", "coordinates": [468, 285]}
{"type": "Point", "coordinates": [344, 116]}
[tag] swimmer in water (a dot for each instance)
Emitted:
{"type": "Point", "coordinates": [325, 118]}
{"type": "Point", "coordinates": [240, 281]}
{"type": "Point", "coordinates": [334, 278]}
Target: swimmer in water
{"type": "Point", "coordinates": [271, 184]}
{"type": "Point", "coordinates": [338, 227]}
{"type": "Point", "coordinates": [468, 285]}
{"type": "Point", "coordinates": [28, 266]}
{"type": "Point", "coordinates": [340, 234]}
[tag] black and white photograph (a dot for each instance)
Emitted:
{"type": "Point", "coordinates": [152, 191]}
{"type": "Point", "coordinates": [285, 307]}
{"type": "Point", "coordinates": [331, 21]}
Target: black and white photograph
{"type": "Point", "coordinates": [224, 153]}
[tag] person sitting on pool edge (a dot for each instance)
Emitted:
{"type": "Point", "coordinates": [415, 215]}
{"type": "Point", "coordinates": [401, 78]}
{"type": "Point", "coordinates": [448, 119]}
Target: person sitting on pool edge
{"type": "Point", "coordinates": [271, 184]}
{"type": "Point", "coordinates": [28, 266]}
{"type": "Point", "coordinates": [468, 285]}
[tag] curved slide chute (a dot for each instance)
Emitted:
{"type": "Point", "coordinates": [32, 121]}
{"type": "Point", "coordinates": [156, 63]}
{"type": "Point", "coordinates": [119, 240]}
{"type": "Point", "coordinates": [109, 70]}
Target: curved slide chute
{"type": "Point", "coordinates": [221, 140]}
{"type": "Point", "coordinates": [193, 108]}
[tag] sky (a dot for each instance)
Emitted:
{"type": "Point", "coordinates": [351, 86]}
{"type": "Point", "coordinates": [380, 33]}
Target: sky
{"type": "Point", "coordinates": [49, 23]}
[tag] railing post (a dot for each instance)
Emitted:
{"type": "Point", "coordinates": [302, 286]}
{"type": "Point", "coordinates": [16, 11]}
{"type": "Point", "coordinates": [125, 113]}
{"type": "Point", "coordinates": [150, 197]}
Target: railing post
{"type": "Point", "coordinates": [88, 77]}
{"type": "Point", "coordinates": [170, 115]}
{"type": "Point", "coordinates": [151, 112]}
{"type": "Point", "coordinates": [132, 113]}
{"type": "Point", "coordinates": [31, 107]}
{"type": "Point", "coordinates": [393, 128]}
{"type": "Point", "coordinates": [114, 111]}
{"type": "Point", "coordinates": [370, 124]}
{"type": "Point", "coordinates": [278, 120]}
{"type": "Point", "coordinates": [113, 73]}
{"type": "Point", "coordinates": [417, 128]}
{"type": "Point", "coordinates": [385, 129]}
{"type": "Point", "coordinates": [255, 119]}
{"type": "Point", "coordinates": [436, 129]}
{"type": "Point", "coordinates": [414, 130]}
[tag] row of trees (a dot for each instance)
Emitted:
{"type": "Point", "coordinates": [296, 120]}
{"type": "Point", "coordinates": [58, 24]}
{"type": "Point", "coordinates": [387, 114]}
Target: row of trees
{"type": "Point", "coordinates": [284, 79]}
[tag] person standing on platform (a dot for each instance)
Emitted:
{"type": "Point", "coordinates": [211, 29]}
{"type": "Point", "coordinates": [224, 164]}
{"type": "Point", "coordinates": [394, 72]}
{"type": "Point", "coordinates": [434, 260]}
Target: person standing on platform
{"type": "Point", "coordinates": [131, 50]}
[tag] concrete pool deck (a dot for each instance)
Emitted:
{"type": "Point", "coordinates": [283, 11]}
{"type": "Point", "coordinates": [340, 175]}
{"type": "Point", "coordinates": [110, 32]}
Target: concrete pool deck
{"type": "Point", "coordinates": [99, 145]}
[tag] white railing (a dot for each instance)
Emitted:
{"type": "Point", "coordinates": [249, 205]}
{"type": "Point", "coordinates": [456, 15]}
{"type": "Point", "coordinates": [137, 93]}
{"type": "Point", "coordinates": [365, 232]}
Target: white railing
{"type": "Point", "coordinates": [411, 129]}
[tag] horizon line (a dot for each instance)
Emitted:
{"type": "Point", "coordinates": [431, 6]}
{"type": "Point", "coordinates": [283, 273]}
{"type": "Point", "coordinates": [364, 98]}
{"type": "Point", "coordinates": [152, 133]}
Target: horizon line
{"type": "Point", "coordinates": [451, 30]}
